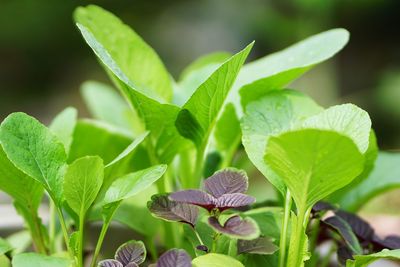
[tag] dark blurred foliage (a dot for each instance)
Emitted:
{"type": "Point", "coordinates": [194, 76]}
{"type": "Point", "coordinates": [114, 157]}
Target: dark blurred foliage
{"type": "Point", "coordinates": [43, 59]}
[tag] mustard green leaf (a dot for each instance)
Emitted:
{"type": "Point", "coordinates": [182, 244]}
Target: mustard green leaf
{"type": "Point", "coordinates": [35, 150]}
{"type": "Point", "coordinates": [313, 163]}
{"type": "Point", "coordinates": [82, 183]}
{"type": "Point", "coordinates": [207, 101]}
{"type": "Point", "coordinates": [366, 260]}
{"type": "Point", "coordinates": [275, 113]}
{"type": "Point", "coordinates": [136, 59]}
{"type": "Point", "coordinates": [63, 126]}
{"type": "Point", "coordinates": [215, 260]}
{"type": "Point", "coordinates": [227, 130]}
{"type": "Point", "coordinates": [39, 260]}
{"type": "Point", "coordinates": [279, 69]}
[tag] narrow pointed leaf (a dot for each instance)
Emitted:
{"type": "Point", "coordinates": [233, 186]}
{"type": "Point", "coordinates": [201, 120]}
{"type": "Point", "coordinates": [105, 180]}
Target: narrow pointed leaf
{"type": "Point", "coordinates": [273, 114]}
{"type": "Point", "coordinates": [313, 163]}
{"type": "Point", "coordinates": [131, 252]}
{"type": "Point", "coordinates": [35, 150]}
{"type": "Point", "coordinates": [174, 258]}
{"type": "Point", "coordinates": [216, 260]}
{"type": "Point", "coordinates": [137, 60]}
{"type": "Point", "coordinates": [360, 227]}
{"type": "Point", "coordinates": [63, 126]}
{"type": "Point", "coordinates": [82, 183]}
{"type": "Point", "coordinates": [162, 207]}
{"type": "Point", "coordinates": [279, 69]}
{"type": "Point", "coordinates": [261, 245]}
{"type": "Point", "coordinates": [236, 227]}
{"type": "Point", "coordinates": [344, 229]}
{"type": "Point", "coordinates": [206, 103]}
{"type": "Point", "coordinates": [389, 242]}
{"type": "Point", "coordinates": [227, 182]}
{"type": "Point", "coordinates": [132, 184]}
{"type": "Point", "coordinates": [110, 263]}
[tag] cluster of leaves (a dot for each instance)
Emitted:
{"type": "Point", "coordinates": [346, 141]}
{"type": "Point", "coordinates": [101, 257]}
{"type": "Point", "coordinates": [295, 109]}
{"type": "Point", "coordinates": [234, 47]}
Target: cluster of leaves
{"type": "Point", "coordinates": [105, 168]}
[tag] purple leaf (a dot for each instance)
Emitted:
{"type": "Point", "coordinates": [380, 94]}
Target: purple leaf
{"type": "Point", "coordinates": [390, 242]}
{"type": "Point", "coordinates": [203, 248]}
{"type": "Point", "coordinates": [234, 200]}
{"type": "Point", "coordinates": [361, 228]}
{"type": "Point", "coordinates": [132, 264]}
{"type": "Point", "coordinates": [344, 254]}
{"type": "Point", "coordinates": [110, 263]}
{"type": "Point", "coordinates": [195, 197]}
{"type": "Point", "coordinates": [236, 227]}
{"type": "Point", "coordinates": [162, 207]}
{"type": "Point", "coordinates": [131, 252]}
{"type": "Point", "coordinates": [261, 245]}
{"type": "Point", "coordinates": [226, 182]}
{"type": "Point", "coordinates": [174, 258]}
{"type": "Point", "coordinates": [322, 206]}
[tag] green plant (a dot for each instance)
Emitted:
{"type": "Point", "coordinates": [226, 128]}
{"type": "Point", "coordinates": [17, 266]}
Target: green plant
{"type": "Point", "coordinates": [106, 168]}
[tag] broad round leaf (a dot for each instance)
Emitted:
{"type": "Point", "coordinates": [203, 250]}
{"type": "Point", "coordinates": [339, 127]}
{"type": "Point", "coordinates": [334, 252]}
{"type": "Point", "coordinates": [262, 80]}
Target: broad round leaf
{"type": "Point", "coordinates": [110, 263]}
{"type": "Point", "coordinates": [216, 260]}
{"type": "Point", "coordinates": [313, 163]}
{"type": "Point", "coordinates": [226, 182]}
{"type": "Point", "coordinates": [174, 258]}
{"type": "Point", "coordinates": [131, 252]}
{"type": "Point", "coordinates": [236, 227]}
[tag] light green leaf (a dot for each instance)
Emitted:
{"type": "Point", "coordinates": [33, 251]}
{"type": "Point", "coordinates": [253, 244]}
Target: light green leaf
{"type": "Point", "coordinates": [4, 246]}
{"type": "Point", "coordinates": [206, 103]}
{"type": "Point", "coordinates": [159, 118]}
{"type": "Point", "coordinates": [215, 260]}
{"type": "Point", "coordinates": [133, 183]}
{"type": "Point", "coordinates": [82, 183]}
{"type": "Point", "coordinates": [366, 260]}
{"type": "Point", "coordinates": [20, 241]}
{"type": "Point", "coordinates": [313, 163]}
{"type": "Point", "coordinates": [136, 59]}
{"type": "Point", "coordinates": [35, 150]}
{"type": "Point", "coordinates": [63, 126]}
{"type": "Point", "coordinates": [39, 260]}
{"type": "Point", "coordinates": [346, 119]}
{"type": "Point", "coordinates": [384, 177]}
{"type": "Point", "coordinates": [106, 104]}
{"type": "Point", "coordinates": [275, 113]}
{"type": "Point", "coordinates": [227, 130]}
{"type": "Point", "coordinates": [279, 69]}
{"type": "Point", "coordinates": [196, 73]}
{"type": "Point", "coordinates": [108, 144]}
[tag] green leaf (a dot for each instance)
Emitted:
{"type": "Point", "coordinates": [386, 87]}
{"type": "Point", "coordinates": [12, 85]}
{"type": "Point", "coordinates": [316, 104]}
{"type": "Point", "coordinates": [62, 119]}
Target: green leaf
{"type": "Point", "coordinates": [207, 101]}
{"type": "Point", "coordinates": [106, 104]}
{"type": "Point", "coordinates": [82, 183]}
{"type": "Point", "coordinates": [227, 130]}
{"type": "Point", "coordinates": [346, 119]}
{"type": "Point", "coordinates": [108, 144]}
{"type": "Point", "coordinates": [159, 118]}
{"type": "Point", "coordinates": [196, 73]}
{"type": "Point", "coordinates": [269, 220]}
{"type": "Point", "coordinates": [279, 69]}
{"type": "Point", "coordinates": [35, 150]}
{"type": "Point", "coordinates": [136, 59]}
{"type": "Point", "coordinates": [133, 183]}
{"type": "Point", "coordinates": [215, 260]}
{"type": "Point", "coordinates": [313, 163]}
{"type": "Point", "coordinates": [366, 260]}
{"type": "Point", "coordinates": [63, 126]}
{"type": "Point", "coordinates": [384, 177]}
{"type": "Point", "coordinates": [275, 113]}
{"type": "Point", "coordinates": [39, 260]}
{"type": "Point", "coordinates": [5, 247]}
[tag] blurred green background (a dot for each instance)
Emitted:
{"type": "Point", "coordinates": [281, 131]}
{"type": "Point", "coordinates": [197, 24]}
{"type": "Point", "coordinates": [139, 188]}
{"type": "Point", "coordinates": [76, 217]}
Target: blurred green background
{"type": "Point", "coordinates": [43, 59]}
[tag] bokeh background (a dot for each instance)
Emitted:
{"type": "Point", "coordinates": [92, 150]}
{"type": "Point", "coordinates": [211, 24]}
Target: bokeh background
{"type": "Point", "coordinates": [44, 60]}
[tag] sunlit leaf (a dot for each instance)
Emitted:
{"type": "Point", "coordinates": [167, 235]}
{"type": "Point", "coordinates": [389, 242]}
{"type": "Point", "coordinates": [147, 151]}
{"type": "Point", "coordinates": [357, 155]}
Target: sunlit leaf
{"type": "Point", "coordinates": [215, 260]}
{"type": "Point", "coordinates": [63, 126]}
{"type": "Point", "coordinates": [366, 260]}
{"type": "Point", "coordinates": [39, 260]}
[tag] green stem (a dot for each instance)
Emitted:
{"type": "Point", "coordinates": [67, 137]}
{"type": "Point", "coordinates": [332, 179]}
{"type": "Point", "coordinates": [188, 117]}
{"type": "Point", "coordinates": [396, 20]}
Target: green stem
{"type": "Point", "coordinates": [37, 236]}
{"type": "Point", "coordinates": [100, 240]}
{"type": "Point", "coordinates": [297, 243]}
{"type": "Point", "coordinates": [152, 248]}
{"type": "Point", "coordinates": [232, 250]}
{"type": "Point", "coordinates": [52, 225]}
{"type": "Point", "coordinates": [198, 237]}
{"type": "Point", "coordinates": [228, 157]}
{"type": "Point", "coordinates": [284, 229]}
{"type": "Point", "coordinates": [64, 230]}
{"type": "Point", "coordinates": [198, 168]}
{"type": "Point", "coordinates": [80, 240]}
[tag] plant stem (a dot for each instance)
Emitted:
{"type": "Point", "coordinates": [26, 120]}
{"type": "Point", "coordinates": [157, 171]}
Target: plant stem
{"type": "Point", "coordinates": [80, 240]}
{"type": "Point", "coordinates": [52, 225]}
{"type": "Point", "coordinates": [152, 248]}
{"type": "Point", "coordinates": [297, 243]}
{"type": "Point", "coordinates": [100, 240]}
{"type": "Point", "coordinates": [198, 237]}
{"type": "Point", "coordinates": [198, 169]}
{"type": "Point", "coordinates": [37, 236]}
{"type": "Point", "coordinates": [284, 229]}
{"type": "Point", "coordinates": [232, 248]}
{"type": "Point", "coordinates": [228, 157]}
{"type": "Point", "coordinates": [64, 230]}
